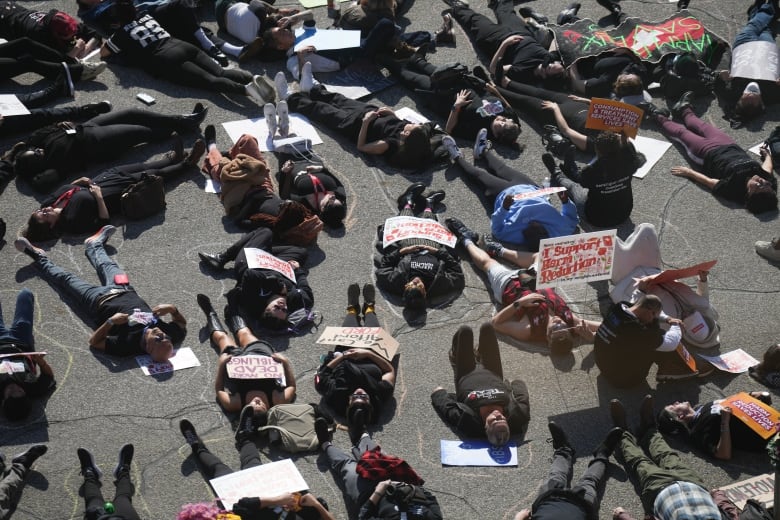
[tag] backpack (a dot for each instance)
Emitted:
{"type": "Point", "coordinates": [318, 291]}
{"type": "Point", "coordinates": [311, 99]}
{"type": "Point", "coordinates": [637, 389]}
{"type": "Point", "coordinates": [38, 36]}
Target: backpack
{"type": "Point", "coordinates": [773, 144]}
{"type": "Point", "coordinates": [753, 510]}
{"type": "Point", "coordinates": [302, 321]}
{"type": "Point", "coordinates": [293, 425]}
{"type": "Point", "coordinates": [143, 198]}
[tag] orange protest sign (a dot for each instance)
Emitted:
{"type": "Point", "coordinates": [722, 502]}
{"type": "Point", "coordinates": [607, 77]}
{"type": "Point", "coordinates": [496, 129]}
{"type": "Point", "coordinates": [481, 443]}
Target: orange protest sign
{"type": "Point", "coordinates": [686, 357]}
{"type": "Point", "coordinates": [670, 275]}
{"type": "Point", "coordinates": [607, 114]}
{"type": "Point", "coordinates": [758, 416]}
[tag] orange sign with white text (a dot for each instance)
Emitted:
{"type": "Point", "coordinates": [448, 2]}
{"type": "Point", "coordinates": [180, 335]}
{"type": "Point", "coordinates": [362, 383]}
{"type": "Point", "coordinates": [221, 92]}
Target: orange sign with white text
{"type": "Point", "coordinates": [759, 416]}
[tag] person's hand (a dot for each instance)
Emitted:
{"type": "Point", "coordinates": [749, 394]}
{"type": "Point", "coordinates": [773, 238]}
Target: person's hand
{"type": "Point", "coordinates": [617, 512]}
{"type": "Point", "coordinates": [675, 321]}
{"type": "Point", "coordinates": [308, 500]}
{"type": "Point", "coordinates": [725, 412]}
{"type": "Point", "coordinates": [563, 196]}
{"type": "Point", "coordinates": [724, 75]}
{"type": "Point", "coordinates": [381, 488]}
{"type": "Point", "coordinates": [120, 318]}
{"type": "Point", "coordinates": [279, 358]}
{"type": "Point", "coordinates": [385, 111]}
{"type": "Point", "coordinates": [294, 264]}
{"type": "Point", "coordinates": [78, 50]}
{"type": "Point", "coordinates": [523, 514]}
{"type": "Point", "coordinates": [681, 171]}
{"type": "Point", "coordinates": [581, 99]}
{"type": "Point", "coordinates": [224, 358]}
{"type": "Point", "coordinates": [507, 202]}
{"type": "Point", "coordinates": [529, 300]}
{"type": "Point", "coordinates": [551, 105]}
{"type": "Point", "coordinates": [644, 282]}
{"type": "Point", "coordinates": [703, 274]}
{"type": "Point", "coordinates": [307, 49]}
{"type": "Point", "coordinates": [95, 190]}
{"type": "Point", "coordinates": [505, 81]}
{"type": "Point", "coordinates": [287, 167]}
{"type": "Point", "coordinates": [82, 181]}
{"type": "Point", "coordinates": [463, 98]}
{"type": "Point", "coordinates": [370, 116]}
{"type": "Point", "coordinates": [284, 22]}
{"type": "Point", "coordinates": [288, 11]}
{"type": "Point", "coordinates": [163, 309]}
{"type": "Point", "coordinates": [490, 87]}
{"type": "Point", "coordinates": [511, 40]}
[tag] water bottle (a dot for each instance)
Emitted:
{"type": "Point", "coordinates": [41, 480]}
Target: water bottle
{"type": "Point", "coordinates": [546, 182]}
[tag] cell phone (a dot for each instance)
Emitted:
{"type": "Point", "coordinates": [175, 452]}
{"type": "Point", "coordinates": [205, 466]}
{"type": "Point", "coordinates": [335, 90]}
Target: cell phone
{"type": "Point", "coordinates": [143, 97]}
{"type": "Point", "coordinates": [121, 279]}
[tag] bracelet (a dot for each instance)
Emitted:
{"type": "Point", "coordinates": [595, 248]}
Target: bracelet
{"type": "Point", "coordinates": [455, 108]}
{"type": "Point", "coordinates": [110, 322]}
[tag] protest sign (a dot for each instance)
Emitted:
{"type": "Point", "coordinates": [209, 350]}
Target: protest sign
{"type": "Point", "coordinates": [735, 362]}
{"type": "Point", "coordinates": [758, 416]}
{"type": "Point", "coordinates": [575, 258]}
{"type": "Point", "coordinates": [686, 357]}
{"type": "Point", "coordinates": [268, 480]}
{"type": "Point", "coordinates": [538, 193]}
{"type": "Point", "coordinates": [255, 367]}
{"type": "Point", "coordinates": [756, 60]}
{"type": "Point", "coordinates": [760, 488]}
{"type": "Point", "coordinates": [259, 259]}
{"type": "Point", "coordinates": [670, 275]}
{"type": "Point", "coordinates": [608, 114]}
{"type": "Point", "coordinates": [11, 106]}
{"type": "Point", "coordinates": [400, 228]}
{"type": "Point", "coordinates": [326, 39]}
{"type": "Point", "coordinates": [26, 354]}
{"type": "Point", "coordinates": [10, 367]}
{"type": "Point", "coordinates": [372, 338]}
{"type": "Point", "coordinates": [478, 453]}
{"type": "Point", "coordinates": [182, 358]}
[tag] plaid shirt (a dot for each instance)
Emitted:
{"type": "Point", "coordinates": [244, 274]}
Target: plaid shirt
{"type": "Point", "coordinates": [375, 465]}
{"type": "Point", "coordinates": [685, 501]}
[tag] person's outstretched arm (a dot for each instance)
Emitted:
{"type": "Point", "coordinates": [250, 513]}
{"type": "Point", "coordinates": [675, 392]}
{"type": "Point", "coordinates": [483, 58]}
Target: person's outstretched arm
{"type": "Point", "coordinates": [697, 177]}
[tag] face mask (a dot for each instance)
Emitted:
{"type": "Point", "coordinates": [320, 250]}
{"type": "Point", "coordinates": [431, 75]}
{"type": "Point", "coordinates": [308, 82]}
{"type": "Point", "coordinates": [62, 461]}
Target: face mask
{"type": "Point", "coordinates": [752, 88]}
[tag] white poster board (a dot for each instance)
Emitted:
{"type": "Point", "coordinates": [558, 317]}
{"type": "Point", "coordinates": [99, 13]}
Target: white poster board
{"type": "Point", "coordinates": [266, 480]}
{"type": "Point", "coordinates": [259, 259]}
{"type": "Point", "coordinates": [255, 367]}
{"type": "Point", "coordinates": [400, 228]}
{"type": "Point", "coordinates": [325, 39]}
{"type": "Point", "coordinates": [182, 358]}
{"type": "Point", "coordinates": [299, 126]}
{"type": "Point", "coordinates": [735, 362]}
{"type": "Point", "coordinates": [652, 149]}
{"type": "Point", "coordinates": [408, 114]}
{"type": "Point", "coordinates": [587, 257]}
{"type": "Point", "coordinates": [477, 453]}
{"type": "Point", "coordinates": [11, 106]}
{"type": "Point", "coordinates": [376, 339]}
{"type": "Point", "coordinates": [755, 60]}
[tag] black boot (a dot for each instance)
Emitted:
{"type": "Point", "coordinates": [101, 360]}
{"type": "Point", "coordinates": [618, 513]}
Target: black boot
{"type": "Point", "coordinates": [353, 299]}
{"type": "Point", "coordinates": [527, 12]}
{"type": "Point", "coordinates": [215, 261]}
{"type": "Point", "coordinates": [210, 134]}
{"type": "Point", "coordinates": [369, 298]}
{"type": "Point", "coordinates": [234, 320]}
{"type": "Point", "coordinates": [433, 198]}
{"type": "Point", "coordinates": [559, 438]}
{"type": "Point", "coordinates": [613, 7]}
{"type": "Point", "coordinates": [569, 15]}
{"type": "Point", "coordinates": [27, 458]}
{"type": "Point", "coordinates": [411, 195]}
{"type": "Point", "coordinates": [192, 121]}
{"type": "Point", "coordinates": [605, 449]}
{"type": "Point", "coordinates": [212, 320]}
{"type": "Point", "coordinates": [684, 102]}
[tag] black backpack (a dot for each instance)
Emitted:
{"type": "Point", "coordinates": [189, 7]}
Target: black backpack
{"type": "Point", "coordinates": [753, 510]}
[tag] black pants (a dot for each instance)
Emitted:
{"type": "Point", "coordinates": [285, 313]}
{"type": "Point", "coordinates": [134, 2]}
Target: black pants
{"type": "Point", "coordinates": [262, 238]}
{"type": "Point", "coordinates": [488, 34]}
{"type": "Point", "coordinates": [181, 21]}
{"type": "Point", "coordinates": [123, 506]}
{"type": "Point", "coordinates": [498, 176]}
{"type": "Point", "coordinates": [39, 117]}
{"type": "Point", "coordinates": [331, 109]}
{"type": "Point", "coordinates": [377, 40]}
{"type": "Point", "coordinates": [182, 62]}
{"type": "Point", "coordinates": [465, 360]}
{"type": "Point", "coordinates": [214, 467]}
{"type": "Point", "coordinates": [527, 100]}
{"type": "Point", "coordinates": [24, 55]}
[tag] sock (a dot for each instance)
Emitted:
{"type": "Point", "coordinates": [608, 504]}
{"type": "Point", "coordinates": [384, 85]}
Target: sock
{"type": "Point", "coordinates": [408, 205]}
{"type": "Point", "coordinates": [369, 308]}
{"type": "Point", "coordinates": [212, 146]}
{"type": "Point", "coordinates": [233, 50]}
{"type": "Point", "coordinates": [203, 40]}
{"type": "Point", "coordinates": [351, 310]}
{"type": "Point", "coordinates": [467, 241]}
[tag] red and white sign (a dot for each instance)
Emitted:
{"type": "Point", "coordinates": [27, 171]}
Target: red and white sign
{"type": "Point", "coordinates": [259, 259]}
{"type": "Point", "coordinates": [575, 258]}
{"type": "Point", "coordinates": [538, 193]}
{"type": "Point", "coordinates": [400, 228]}
{"type": "Point", "coordinates": [735, 362]}
{"type": "Point", "coordinates": [670, 275]}
{"type": "Point", "coordinates": [255, 367]}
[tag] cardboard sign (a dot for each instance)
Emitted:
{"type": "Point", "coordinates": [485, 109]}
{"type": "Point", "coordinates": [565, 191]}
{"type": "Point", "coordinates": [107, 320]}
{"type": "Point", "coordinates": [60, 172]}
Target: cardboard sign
{"type": "Point", "coordinates": [11, 106]}
{"type": "Point", "coordinates": [478, 453]}
{"type": "Point", "coordinates": [255, 367]}
{"type": "Point", "coordinates": [670, 275]}
{"type": "Point", "coordinates": [267, 480]}
{"type": "Point", "coordinates": [400, 228]}
{"type": "Point", "coordinates": [760, 417]}
{"type": "Point", "coordinates": [686, 357]}
{"type": "Point", "coordinates": [755, 60]}
{"type": "Point", "coordinates": [575, 258]}
{"type": "Point", "coordinates": [259, 259]}
{"type": "Point", "coordinates": [760, 488]}
{"type": "Point", "coordinates": [538, 193]}
{"type": "Point", "coordinates": [735, 362]}
{"type": "Point", "coordinates": [376, 339]}
{"type": "Point", "coordinates": [608, 114]}
{"type": "Point", "coordinates": [182, 358]}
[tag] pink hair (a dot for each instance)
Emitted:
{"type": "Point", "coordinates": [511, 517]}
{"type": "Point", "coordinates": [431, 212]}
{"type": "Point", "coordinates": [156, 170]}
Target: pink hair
{"type": "Point", "coordinates": [199, 511]}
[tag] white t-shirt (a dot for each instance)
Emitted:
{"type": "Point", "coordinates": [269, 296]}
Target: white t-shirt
{"type": "Point", "coordinates": [241, 22]}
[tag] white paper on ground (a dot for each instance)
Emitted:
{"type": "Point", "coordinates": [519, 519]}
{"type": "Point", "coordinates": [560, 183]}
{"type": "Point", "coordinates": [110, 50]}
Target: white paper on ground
{"type": "Point", "coordinates": [299, 126]}
{"type": "Point", "coordinates": [653, 150]}
{"type": "Point", "coordinates": [477, 453]}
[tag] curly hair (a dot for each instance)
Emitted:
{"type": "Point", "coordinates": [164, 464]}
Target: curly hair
{"type": "Point", "coordinates": [199, 511]}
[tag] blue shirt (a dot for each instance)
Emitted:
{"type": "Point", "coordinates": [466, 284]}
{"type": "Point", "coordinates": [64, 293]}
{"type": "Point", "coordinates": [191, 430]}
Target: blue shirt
{"type": "Point", "coordinates": [508, 225]}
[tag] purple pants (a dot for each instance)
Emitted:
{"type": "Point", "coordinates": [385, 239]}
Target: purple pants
{"type": "Point", "coordinates": [695, 135]}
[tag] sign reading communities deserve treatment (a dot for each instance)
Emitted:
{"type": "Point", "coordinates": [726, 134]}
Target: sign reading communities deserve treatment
{"type": "Point", "coordinates": [376, 339]}
{"type": "Point", "coordinates": [607, 114]}
{"type": "Point", "coordinates": [255, 367]}
{"type": "Point", "coordinates": [259, 259]}
{"type": "Point", "coordinates": [575, 258]}
{"type": "Point", "coordinates": [400, 228]}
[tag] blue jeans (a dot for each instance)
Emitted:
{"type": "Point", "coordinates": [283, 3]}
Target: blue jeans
{"type": "Point", "coordinates": [758, 28]}
{"type": "Point", "coordinates": [87, 294]}
{"type": "Point", "coordinates": [21, 330]}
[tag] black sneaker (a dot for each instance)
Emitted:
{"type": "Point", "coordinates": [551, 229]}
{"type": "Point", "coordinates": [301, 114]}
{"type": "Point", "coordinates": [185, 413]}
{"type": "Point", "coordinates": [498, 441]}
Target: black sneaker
{"type": "Point", "coordinates": [125, 459]}
{"type": "Point", "coordinates": [353, 298]}
{"type": "Point", "coordinates": [491, 247]}
{"type": "Point", "coordinates": [569, 15]}
{"type": "Point", "coordinates": [411, 195]}
{"type": "Point", "coordinates": [527, 12]}
{"type": "Point", "coordinates": [559, 438]}
{"type": "Point", "coordinates": [434, 198]}
{"type": "Point", "coordinates": [369, 297]}
{"type": "Point", "coordinates": [460, 230]}
{"type": "Point", "coordinates": [190, 435]}
{"type": "Point", "coordinates": [684, 102]}
{"type": "Point", "coordinates": [549, 163]}
{"type": "Point", "coordinates": [216, 261]}
{"type": "Point", "coordinates": [31, 455]}
{"type": "Point", "coordinates": [246, 424]}
{"type": "Point", "coordinates": [618, 413]}
{"type": "Point", "coordinates": [218, 56]}
{"type": "Point", "coordinates": [323, 431]}
{"type": "Point", "coordinates": [88, 467]}
{"type": "Point", "coordinates": [605, 449]}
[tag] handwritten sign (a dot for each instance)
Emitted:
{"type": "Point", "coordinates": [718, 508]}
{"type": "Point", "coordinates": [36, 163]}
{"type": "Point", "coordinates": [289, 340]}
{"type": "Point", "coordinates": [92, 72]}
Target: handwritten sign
{"type": "Point", "coordinates": [575, 258]}
{"type": "Point", "coordinates": [182, 358]}
{"type": "Point", "coordinates": [608, 114]}
{"type": "Point", "coordinates": [735, 362]}
{"type": "Point", "coordinates": [758, 416]}
{"type": "Point", "coordinates": [538, 193]}
{"type": "Point", "coordinates": [255, 367]}
{"type": "Point", "coordinates": [271, 479]}
{"type": "Point", "coordinates": [478, 453]}
{"type": "Point", "coordinates": [259, 259]}
{"type": "Point", "coordinates": [376, 339]}
{"type": "Point", "coordinates": [755, 60]}
{"type": "Point", "coordinates": [400, 228]}
{"type": "Point", "coordinates": [760, 488]}
{"type": "Point", "coordinates": [670, 275]}
{"type": "Point", "coordinates": [11, 367]}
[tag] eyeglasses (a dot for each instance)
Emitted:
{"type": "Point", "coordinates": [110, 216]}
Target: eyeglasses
{"type": "Point", "coordinates": [159, 338]}
{"type": "Point", "coordinates": [362, 397]}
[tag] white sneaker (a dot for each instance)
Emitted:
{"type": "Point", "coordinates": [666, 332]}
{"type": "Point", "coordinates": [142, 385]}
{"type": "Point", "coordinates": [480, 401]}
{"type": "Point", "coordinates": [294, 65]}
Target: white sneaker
{"type": "Point", "coordinates": [251, 90]}
{"type": "Point", "coordinates": [91, 69]}
{"type": "Point", "coordinates": [768, 249]}
{"type": "Point", "coordinates": [307, 78]}
{"type": "Point", "coordinates": [265, 88]}
{"type": "Point", "coordinates": [282, 88]}
{"type": "Point", "coordinates": [269, 111]}
{"type": "Point", "coordinates": [283, 113]}
{"type": "Point", "coordinates": [481, 144]}
{"type": "Point", "coordinates": [451, 146]}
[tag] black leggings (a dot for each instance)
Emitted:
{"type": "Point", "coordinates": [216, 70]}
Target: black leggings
{"type": "Point", "coordinates": [527, 100]}
{"type": "Point", "coordinates": [214, 467]}
{"type": "Point", "coordinates": [39, 117]}
{"type": "Point", "coordinates": [123, 506]}
{"type": "Point", "coordinates": [488, 34]}
{"type": "Point", "coordinates": [333, 110]}
{"type": "Point", "coordinates": [183, 63]}
{"type": "Point", "coordinates": [24, 55]}
{"type": "Point", "coordinates": [498, 176]}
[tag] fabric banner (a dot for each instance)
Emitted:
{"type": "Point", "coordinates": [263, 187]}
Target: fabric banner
{"type": "Point", "coordinates": [255, 367]}
{"type": "Point", "coordinates": [651, 41]}
{"type": "Point", "coordinates": [400, 228]}
{"type": "Point", "coordinates": [376, 339]}
{"type": "Point", "coordinates": [759, 416]}
{"type": "Point", "coordinates": [259, 259]}
{"type": "Point", "coordinates": [587, 257]}
{"type": "Point", "coordinates": [607, 114]}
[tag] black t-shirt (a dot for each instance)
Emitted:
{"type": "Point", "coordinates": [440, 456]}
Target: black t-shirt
{"type": "Point", "coordinates": [62, 151]}
{"type": "Point", "coordinates": [558, 506]}
{"type": "Point", "coordinates": [303, 186]}
{"type": "Point", "coordinates": [80, 215]}
{"type": "Point", "coordinates": [139, 40]}
{"type": "Point", "coordinates": [19, 22]}
{"type": "Point", "coordinates": [425, 265]}
{"type": "Point", "coordinates": [126, 339]}
{"type": "Point", "coordinates": [338, 383]}
{"type": "Point", "coordinates": [481, 387]}
{"type": "Point", "coordinates": [734, 167]}
{"type": "Point", "coordinates": [705, 430]}
{"type": "Point", "coordinates": [34, 383]}
{"type": "Point", "coordinates": [481, 113]}
{"type": "Point", "coordinates": [525, 57]}
{"type": "Point", "coordinates": [387, 128]}
{"type": "Point", "coordinates": [608, 179]}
